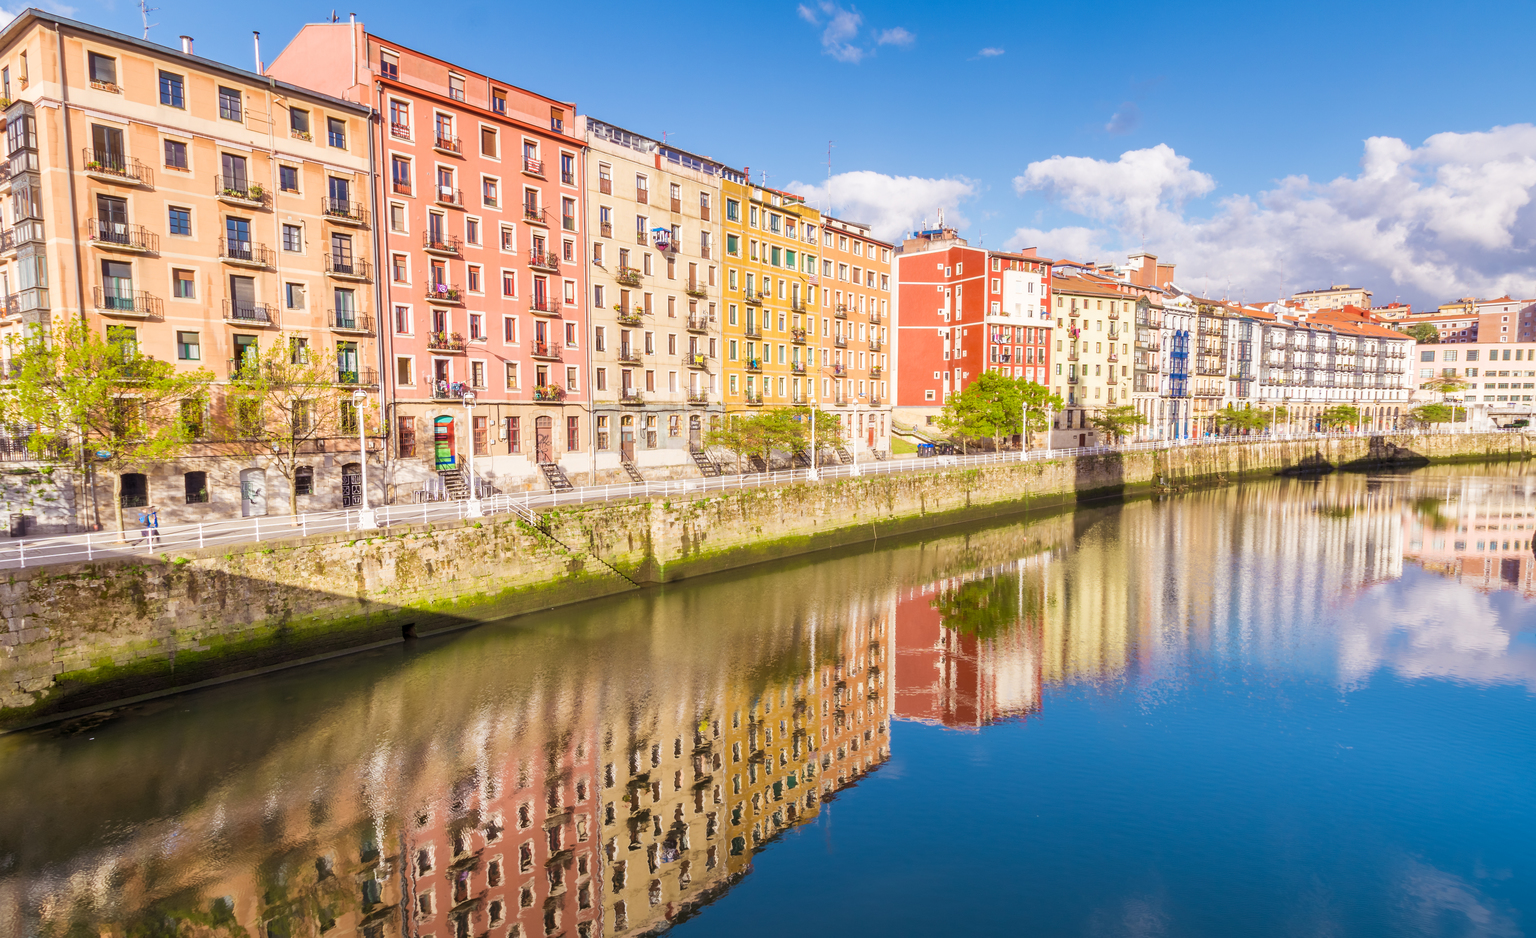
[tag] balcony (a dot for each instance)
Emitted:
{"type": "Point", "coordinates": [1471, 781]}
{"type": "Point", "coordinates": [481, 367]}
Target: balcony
{"type": "Point", "coordinates": [544, 260]}
{"type": "Point", "coordinates": [1210, 327]}
{"type": "Point", "coordinates": [797, 368]}
{"type": "Point", "coordinates": [605, 185]}
{"type": "Point", "coordinates": [754, 365]}
{"type": "Point", "coordinates": [839, 371]}
{"type": "Point", "coordinates": [630, 317]}
{"type": "Point", "coordinates": [533, 167]}
{"type": "Point", "coordinates": [446, 293]}
{"type": "Point", "coordinates": [400, 186]}
{"type": "Point", "coordinates": [876, 371]}
{"type": "Point", "coordinates": [751, 331]}
{"type": "Point", "coordinates": [342, 212]}
{"type": "Point", "coordinates": [544, 306]}
{"type": "Point", "coordinates": [449, 197]}
{"type": "Point", "coordinates": [452, 343]}
{"type": "Point", "coordinates": [534, 215]}
{"type": "Point", "coordinates": [643, 196]}
{"type": "Point", "coordinates": [796, 305]}
{"type": "Point", "coordinates": [629, 355]}
{"type": "Point", "coordinates": [399, 131]}
{"type": "Point", "coordinates": [876, 345]}
{"type": "Point", "coordinates": [127, 305]}
{"type": "Point", "coordinates": [357, 377]}
{"type": "Point", "coordinates": [698, 323]}
{"type": "Point", "coordinates": [841, 312]}
{"type": "Point", "coordinates": [245, 254]}
{"type": "Point", "coordinates": [641, 239]}
{"type": "Point", "coordinates": [135, 239]}
{"type": "Point", "coordinates": [697, 360]}
{"type": "Point", "coordinates": [236, 190]}
{"type": "Point", "coordinates": [754, 399]}
{"type": "Point", "coordinates": [548, 393]}
{"type": "Point", "coordinates": [108, 166]}
{"type": "Point", "coordinates": [797, 336]}
{"type": "Point", "coordinates": [694, 289]}
{"type": "Point", "coordinates": [875, 401]}
{"type": "Point", "coordinates": [628, 276]}
{"type": "Point", "coordinates": [753, 299]}
{"type": "Point", "coordinates": [1114, 313]}
{"type": "Point", "coordinates": [676, 206]}
{"type": "Point", "coordinates": [874, 318]}
{"type": "Point", "coordinates": [350, 321]}
{"type": "Point", "coordinates": [605, 229]}
{"type": "Point", "coordinates": [434, 242]}
{"type": "Point", "coordinates": [632, 397]}
{"type": "Point", "coordinates": [447, 145]}
{"type": "Point", "coordinates": [698, 397]}
{"type": "Point", "coordinates": [548, 351]}
{"type": "Point", "coordinates": [841, 341]}
{"type": "Point", "coordinates": [248, 314]}
{"type": "Point", "coordinates": [347, 268]}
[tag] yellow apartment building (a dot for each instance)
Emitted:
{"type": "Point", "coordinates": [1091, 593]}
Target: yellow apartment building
{"type": "Point", "coordinates": [195, 211]}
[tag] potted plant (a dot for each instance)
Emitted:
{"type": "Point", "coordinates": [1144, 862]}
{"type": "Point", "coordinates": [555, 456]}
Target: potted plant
{"type": "Point", "coordinates": [255, 192]}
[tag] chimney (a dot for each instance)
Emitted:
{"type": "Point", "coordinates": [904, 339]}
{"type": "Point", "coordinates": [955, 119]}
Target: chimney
{"type": "Point", "coordinates": [186, 44]}
{"type": "Point", "coordinates": [256, 41]}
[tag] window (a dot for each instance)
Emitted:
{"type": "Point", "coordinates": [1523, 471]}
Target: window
{"type": "Point", "coordinates": [567, 169]}
{"type": "Point", "coordinates": [229, 104]}
{"type": "Point", "coordinates": [293, 238]}
{"type": "Point", "coordinates": [488, 142]}
{"type": "Point", "coordinates": [175, 154]}
{"type": "Point", "coordinates": [472, 231]}
{"type": "Point", "coordinates": [304, 480]}
{"type": "Point", "coordinates": [293, 295]}
{"type": "Point", "coordinates": [400, 175]}
{"type": "Point", "coordinates": [288, 178]}
{"type": "Point", "coordinates": [511, 376]}
{"type": "Point", "coordinates": [171, 90]}
{"type": "Point", "coordinates": [103, 71]}
{"type": "Point", "coordinates": [508, 238]}
{"type": "Point", "coordinates": [298, 123]}
{"type": "Point", "coordinates": [499, 101]}
{"type": "Point", "coordinates": [188, 347]}
{"type": "Point", "coordinates": [196, 488]}
{"type": "Point", "coordinates": [180, 221]}
{"type": "Point", "coordinates": [183, 286]}
{"type": "Point", "coordinates": [456, 87]}
{"type": "Point", "coordinates": [389, 64]}
{"type": "Point", "coordinates": [336, 132]}
{"type": "Point", "coordinates": [488, 192]}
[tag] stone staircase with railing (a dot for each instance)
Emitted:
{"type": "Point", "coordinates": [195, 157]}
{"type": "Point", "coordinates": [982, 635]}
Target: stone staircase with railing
{"type": "Point", "coordinates": [455, 484]}
{"type": "Point", "coordinates": [555, 476]}
{"type": "Point", "coordinates": [632, 469]}
{"type": "Point", "coordinates": [706, 465]}
{"type": "Point", "coordinates": [843, 456]}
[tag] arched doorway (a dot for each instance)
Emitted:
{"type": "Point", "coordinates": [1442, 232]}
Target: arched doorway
{"type": "Point", "coordinates": [253, 493]}
{"type": "Point", "coordinates": [443, 445]}
{"type": "Point", "coordinates": [543, 439]}
{"type": "Point", "coordinates": [352, 485]}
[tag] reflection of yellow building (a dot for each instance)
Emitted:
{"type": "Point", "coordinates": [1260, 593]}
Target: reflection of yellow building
{"type": "Point", "coordinates": [770, 288]}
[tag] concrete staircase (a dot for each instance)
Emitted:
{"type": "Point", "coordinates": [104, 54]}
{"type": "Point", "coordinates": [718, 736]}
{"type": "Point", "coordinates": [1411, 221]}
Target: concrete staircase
{"type": "Point", "coordinates": [455, 485]}
{"type": "Point", "coordinates": [843, 456]}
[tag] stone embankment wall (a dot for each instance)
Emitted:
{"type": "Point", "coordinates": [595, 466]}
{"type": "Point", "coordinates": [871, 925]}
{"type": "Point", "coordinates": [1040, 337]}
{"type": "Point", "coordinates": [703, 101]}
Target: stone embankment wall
{"type": "Point", "coordinates": [83, 635]}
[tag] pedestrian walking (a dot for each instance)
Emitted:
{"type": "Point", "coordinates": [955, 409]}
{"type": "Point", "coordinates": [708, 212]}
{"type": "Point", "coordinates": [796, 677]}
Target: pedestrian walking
{"type": "Point", "coordinates": [154, 525]}
{"type": "Point", "coordinates": [144, 525]}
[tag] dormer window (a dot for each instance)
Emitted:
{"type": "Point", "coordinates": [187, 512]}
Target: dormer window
{"type": "Point", "coordinates": [389, 64]}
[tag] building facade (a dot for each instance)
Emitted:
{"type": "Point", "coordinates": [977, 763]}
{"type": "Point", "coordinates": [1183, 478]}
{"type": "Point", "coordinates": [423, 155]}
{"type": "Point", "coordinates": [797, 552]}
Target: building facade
{"type": "Point", "coordinates": [483, 263]}
{"type": "Point", "coordinates": [655, 222]}
{"type": "Point", "coordinates": [198, 213]}
{"type": "Point", "coordinates": [852, 352]}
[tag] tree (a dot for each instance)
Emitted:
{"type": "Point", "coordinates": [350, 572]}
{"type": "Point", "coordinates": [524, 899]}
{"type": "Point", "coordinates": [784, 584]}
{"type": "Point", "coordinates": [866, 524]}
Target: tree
{"type": "Point", "coordinates": [99, 396]}
{"type": "Point", "coordinates": [284, 397]}
{"type": "Point", "coordinates": [1424, 333]}
{"type": "Point", "coordinates": [994, 405]}
{"type": "Point", "coordinates": [1431, 413]}
{"type": "Point", "coordinates": [1339, 415]}
{"type": "Point", "coordinates": [1234, 419]}
{"type": "Point", "coordinates": [1116, 422]}
{"type": "Point", "coordinates": [731, 435]}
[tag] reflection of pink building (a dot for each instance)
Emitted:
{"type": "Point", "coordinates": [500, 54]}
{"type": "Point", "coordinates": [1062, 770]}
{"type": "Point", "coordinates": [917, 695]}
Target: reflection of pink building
{"type": "Point", "coordinates": [956, 679]}
{"type": "Point", "coordinates": [1488, 550]}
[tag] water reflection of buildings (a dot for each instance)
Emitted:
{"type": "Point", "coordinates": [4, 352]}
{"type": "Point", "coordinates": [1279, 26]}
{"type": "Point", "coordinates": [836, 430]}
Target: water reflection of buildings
{"type": "Point", "coordinates": [589, 804]}
{"type": "Point", "coordinates": [1477, 530]}
{"type": "Point", "coordinates": [968, 646]}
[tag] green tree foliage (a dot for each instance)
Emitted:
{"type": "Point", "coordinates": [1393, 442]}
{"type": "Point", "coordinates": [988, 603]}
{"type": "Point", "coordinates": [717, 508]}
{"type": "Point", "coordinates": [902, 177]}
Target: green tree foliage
{"type": "Point", "coordinates": [994, 406]}
{"type": "Point", "coordinates": [1444, 385]}
{"type": "Point", "coordinates": [986, 608]}
{"type": "Point", "coordinates": [1424, 333]}
{"type": "Point", "coordinates": [1340, 415]}
{"type": "Point", "coordinates": [786, 430]}
{"type": "Point", "coordinates": [282, 398]}
{"type": "Point", "coordinates": [1238, 419]}
{"type": "Point", "coordinates": [1431, 413]}
{"type": "Point", "coordinates": [1115, 422]}
{"type": "Point", "coordinates": [98, 396]}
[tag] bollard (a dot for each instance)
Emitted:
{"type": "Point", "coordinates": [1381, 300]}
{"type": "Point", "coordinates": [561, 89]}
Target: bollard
{"type": "Point", "coordinates": [199, 535]}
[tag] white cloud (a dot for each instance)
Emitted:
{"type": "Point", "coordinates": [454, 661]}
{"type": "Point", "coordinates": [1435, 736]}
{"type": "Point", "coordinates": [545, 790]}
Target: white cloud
{"type": "Point", "coordinates": [841, 35]}
{"type": "Point", "coordinates": [1125, 120]}
{"type": "Point", "coordinates": [890, 205]}
{"type": "Point", "coordinates": [990, 52]}
{"type": "Point", "coordinates": [1072, 243]}
{"type": "Point", "coordinates": [1449, 218]}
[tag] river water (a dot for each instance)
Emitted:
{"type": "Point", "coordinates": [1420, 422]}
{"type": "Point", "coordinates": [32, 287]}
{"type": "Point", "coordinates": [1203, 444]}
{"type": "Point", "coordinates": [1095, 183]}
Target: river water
{"type": "Point", "coordinates": [1284, 708]}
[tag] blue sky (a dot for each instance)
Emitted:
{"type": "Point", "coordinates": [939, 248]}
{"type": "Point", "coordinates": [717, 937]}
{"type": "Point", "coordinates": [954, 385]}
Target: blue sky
{"type": "Point", "coordinates": [967, 105]}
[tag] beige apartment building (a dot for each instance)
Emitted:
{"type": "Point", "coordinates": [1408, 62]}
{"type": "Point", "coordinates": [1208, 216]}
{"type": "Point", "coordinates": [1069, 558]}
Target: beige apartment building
{"type": "Point", "coordinates": [196, 211]}
{"type": "Point", "coordinates": [1337, 296]}
{"type": "Point", "coordinates": [656, 290]}
{"type": "Point", "coordinates": [1096, 322]}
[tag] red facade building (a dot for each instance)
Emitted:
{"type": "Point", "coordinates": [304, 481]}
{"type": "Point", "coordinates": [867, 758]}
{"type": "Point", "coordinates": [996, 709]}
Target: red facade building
{"type": "Point", "coordinates": [478, 216]}
{"type": "Point", "coordinates": [962, 310]}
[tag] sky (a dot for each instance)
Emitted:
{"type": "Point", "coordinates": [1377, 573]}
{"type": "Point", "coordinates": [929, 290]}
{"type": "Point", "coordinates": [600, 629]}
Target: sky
{"type": "Point", "coordinates": [1259, 147]}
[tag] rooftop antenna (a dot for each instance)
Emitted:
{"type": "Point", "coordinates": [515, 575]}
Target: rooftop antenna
{"type": "Point", "coordinates": [829, 177]}
{"type": "Point", "coordinates": [334, 17]}
{"type": "Point", "coordinates": [144, 10]}
{"type": "Point", "coordinates": [941, 218]}
{"type": "Point", "coordinates": [664, 135]}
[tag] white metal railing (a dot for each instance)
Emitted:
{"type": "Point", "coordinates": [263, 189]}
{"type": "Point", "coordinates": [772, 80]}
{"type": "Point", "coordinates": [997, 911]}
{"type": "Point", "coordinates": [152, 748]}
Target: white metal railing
{"type": "Point", "coordinates": [71, 548]}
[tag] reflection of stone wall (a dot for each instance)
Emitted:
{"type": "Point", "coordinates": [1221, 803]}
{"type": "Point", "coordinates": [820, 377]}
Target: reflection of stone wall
{"type": "Point", "coordinates": [112, 629]}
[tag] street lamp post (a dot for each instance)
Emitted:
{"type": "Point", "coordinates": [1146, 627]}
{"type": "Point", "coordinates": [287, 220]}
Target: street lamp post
{"type": "Point", "coordinates": [365, 517]}
{"type": "Point", "coordinates": [811, 473]}
{"type": "Point", "coordinates": [472, 509]}
{"type": "Point", "coordinates": [853, 432]}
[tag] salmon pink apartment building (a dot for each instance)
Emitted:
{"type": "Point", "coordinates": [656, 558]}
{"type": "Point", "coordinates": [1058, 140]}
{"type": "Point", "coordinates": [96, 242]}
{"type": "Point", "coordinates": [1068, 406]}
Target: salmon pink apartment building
{"type": "Point", "coordinates": [479, 196]}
